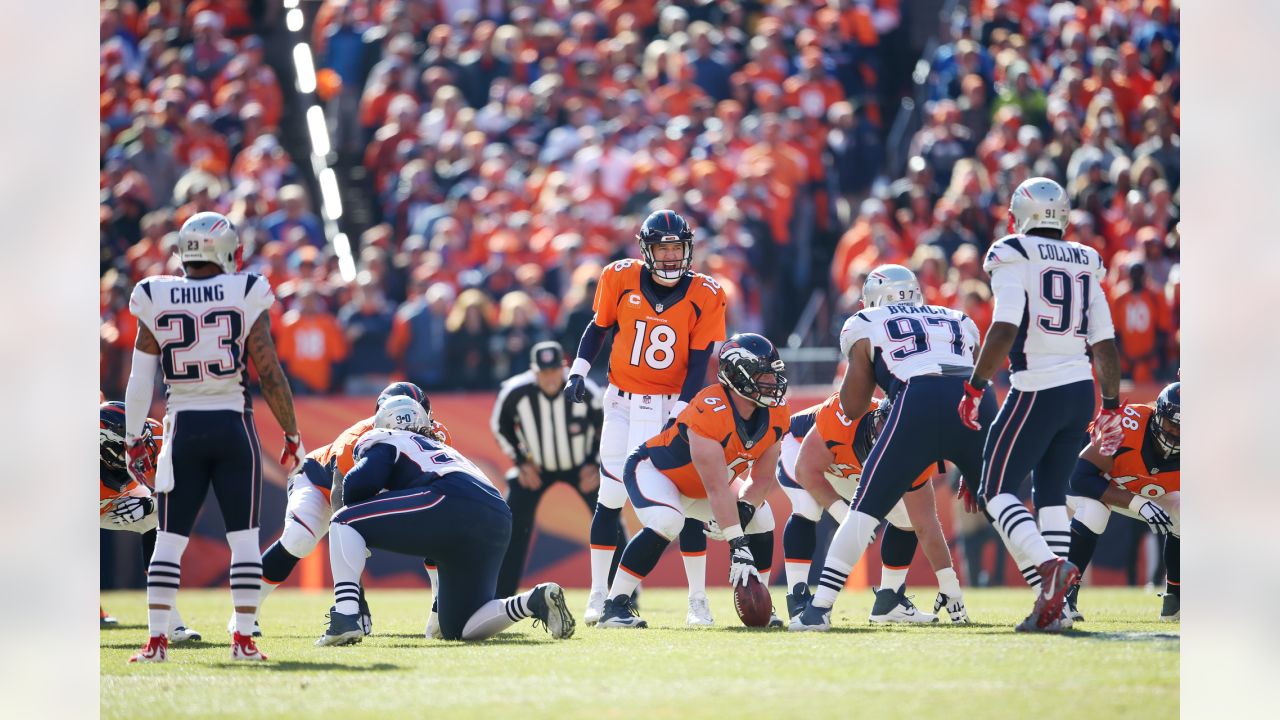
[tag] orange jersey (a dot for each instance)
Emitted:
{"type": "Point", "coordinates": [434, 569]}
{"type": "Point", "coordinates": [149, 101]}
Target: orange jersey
{"type": "Point", "coordinates": [651, 348]}
{"type": "Point", "coordinates": [710, 414]}
{"type": "Point", "coordinates": [341, 452]}
{"type": "Point", "coordinates": [106, 495]}
{"type": "Point", "coordinates": [1139, 467]}
{"type": "Point", "coordinates": [848, 440]}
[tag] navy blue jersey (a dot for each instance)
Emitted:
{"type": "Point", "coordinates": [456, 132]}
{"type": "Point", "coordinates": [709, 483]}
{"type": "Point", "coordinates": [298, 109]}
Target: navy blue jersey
{"type": "Point", "coordinates": [400, 460]}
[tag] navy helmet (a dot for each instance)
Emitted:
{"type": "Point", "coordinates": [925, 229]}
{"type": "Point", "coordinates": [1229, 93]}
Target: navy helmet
{"type": "Point", "coordinates": [1166, 425]}
{"type": "Point", "coordinates": [406, 389]}
{"type": "Point", "coordinates": [666, 226]}
{"type": "Point", "coordinates": [745, 360]}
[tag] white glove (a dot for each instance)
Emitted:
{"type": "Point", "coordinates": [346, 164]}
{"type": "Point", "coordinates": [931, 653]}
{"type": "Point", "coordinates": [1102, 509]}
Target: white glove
{"type": "Point", "coordinates": [712, 530]}
{"type": "Point", "coordinates": [741, 562]}
{"type": "Point", "coordinates": [129, 510]}
{"type": "Point", "coordinates": [1157, 519]}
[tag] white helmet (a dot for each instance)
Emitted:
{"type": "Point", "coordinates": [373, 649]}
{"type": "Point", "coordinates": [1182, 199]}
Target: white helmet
{"type": "Point", "coordinates": [402, 412]}
{"type": "Point", "coordinates": [210, 237]}
{"type": "Point", "coordinates": [1038, 203]}
{"type": "Point", "coordinates": [891, 285]}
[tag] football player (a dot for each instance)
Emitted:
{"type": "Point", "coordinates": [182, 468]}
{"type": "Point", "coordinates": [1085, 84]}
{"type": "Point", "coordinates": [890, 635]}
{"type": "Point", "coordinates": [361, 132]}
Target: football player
{"type": "Point", "coordinates": [200, 330]}
{"type": "Point", "coordinates": [665, 318]}
{"type": "Point", "coordinates": [702, 468]}
{"type": "Point", "coordinates": [410, 493]}
{"type": "Point", "coordinates": [918, 355]}
{"type": "Point", "coordinates": [306, 517]}
{"type": "Point", "coordinates": [1051, 316]}
{"type": "Point", "coordinates": [819, 467]}
{"type": "Point", "coordinates": [125, 503]}
{"type": "Point", "coordinates": [1141, 480]}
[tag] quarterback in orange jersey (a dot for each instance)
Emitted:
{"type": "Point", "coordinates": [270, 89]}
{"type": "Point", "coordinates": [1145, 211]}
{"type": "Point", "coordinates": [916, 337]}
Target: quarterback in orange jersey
{"type": "Point", "coordinates": [666, 319]}
{"type": "Point", "coordinates": [1140, 480]}
{"type": "Point", "coordinates": [307, 514]}
{"type": "Point", "coordinates": [701, 468]}
{"type": "Point", "coordinates": [820, 468]}
{"type": "Point", "coordinates": [125, 503]}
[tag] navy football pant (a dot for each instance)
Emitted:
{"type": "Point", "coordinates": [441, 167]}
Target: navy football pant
{"type": "Point", "coordinates": [1040, 432]}
{"type": "Point", "coordinates": [463, 527]}
{"type": "Point", "coordinates": [218, 449]}
{"type": "Point", "coordinates": [923, 428]}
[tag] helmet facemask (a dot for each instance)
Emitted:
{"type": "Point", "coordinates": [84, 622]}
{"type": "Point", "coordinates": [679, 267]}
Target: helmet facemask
{"type": "Point", "coordinates": [1166, 430]}
{"type": "Point", "coordinates": [745, 377]}
{"type": "Point", "coordinates": [669, 270]}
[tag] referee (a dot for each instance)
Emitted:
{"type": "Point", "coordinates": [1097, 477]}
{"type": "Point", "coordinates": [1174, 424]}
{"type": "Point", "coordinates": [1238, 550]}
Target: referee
{"type": "Point", "coordinates": [550, 439]}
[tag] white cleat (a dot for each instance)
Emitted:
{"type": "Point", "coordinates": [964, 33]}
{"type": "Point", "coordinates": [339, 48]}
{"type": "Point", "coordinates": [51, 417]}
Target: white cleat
{"type": "Point", "coordinates": [548, 607]}
{"type": "Point", "coordinates": [699, 611]}
{"type": "Point", "coordinates": [183, 634]}
{"type": "Point", "coordinates": [893, 606]}
{"type": "Point", "coordinates": [954, 606]}
{"type": "Point", "coordinates": [595, 607]}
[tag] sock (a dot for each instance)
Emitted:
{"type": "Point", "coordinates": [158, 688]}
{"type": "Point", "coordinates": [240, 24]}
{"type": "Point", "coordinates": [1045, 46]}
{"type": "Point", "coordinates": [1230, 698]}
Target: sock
{"type": "Point", "coordinates": [638, 560]}
{"type": "Point", "coordinates": [603, 539]}
{"type": "Point", "coordinates": [1055, 527]}
{"type": "Point", "coordinates": [799, 543]}
{"type": "Point", "coordinates": [1172, 565]}
{"type": "Point", "coordinates": [1083, 542]}
{"type": "Point", "coordinates": [433, 576]}
{"type": "Point", "coordinates": [847, 546]}
{"type": "Point", "coordinates": [496, 615]}
{"type": "Point", "coordinates": [163, 576]}
{"type": "Point", "coordinates": [246, 577]}
{"type": "Point", "coordinates": [1013, 521]}
{"type": "Point", "coordinates": [948, 583]}
{"type": "Point", "coordinates": [761, 547]}
{"type": "Point", "coordinates": [693, 549]}
{"type": "Point", "coordinates": [897, 547]}
{"type": "Point", "coordinates": [346, 557]}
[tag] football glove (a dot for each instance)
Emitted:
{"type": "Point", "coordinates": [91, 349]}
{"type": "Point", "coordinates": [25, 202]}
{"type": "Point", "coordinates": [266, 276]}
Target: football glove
{"type": "Point", "coordinates": [129, 510]}
{"type": "Point", "coordinates": [576, 388]}
{"type": "Point", "coordinates": [1157, 519]}
{"type": "Point", "coordinates": [969, 406]}
{"type": "Point", "coordinates": [1108, 430]}
{"type": "Point", "coordinates": [139, 460]}
{"type": "Point", "coordinates": [293, 453]}
{"type": "Point", "coordinates": [741, 562]}
{"type": "Point", "coordinates": [712, 530]}
{"type": "Point", "coordinates": [966, 497]}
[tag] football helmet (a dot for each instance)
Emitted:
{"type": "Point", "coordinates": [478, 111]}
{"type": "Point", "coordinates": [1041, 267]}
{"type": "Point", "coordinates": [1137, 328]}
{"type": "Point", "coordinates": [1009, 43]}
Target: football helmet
{"type": "Point", "coordinates": [666, 226]}
{"type": "Point", "coordinates": [210, 237]}
{"type": "Point", "coordinates": [1166, 424]}
{"type": "Point", "coordinates": [891, 285]}
{"type": "Point", "coordinates": [1038, 203]}
{"type": "Point", "coordinates": [111, 444]}
{"type": "Point", "coordinates": [402, 413]}
{"type": "Point", "coordinates": [405, 389]}
{"type": "Point", "coordinates": [745, 361]}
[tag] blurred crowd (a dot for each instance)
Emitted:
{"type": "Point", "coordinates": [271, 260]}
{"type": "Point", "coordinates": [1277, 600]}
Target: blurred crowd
{"type": "Point", "coordinates": [509, 150]}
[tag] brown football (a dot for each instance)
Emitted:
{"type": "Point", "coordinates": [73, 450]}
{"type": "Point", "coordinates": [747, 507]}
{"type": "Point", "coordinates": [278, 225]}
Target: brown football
{"type": "Point", "coordinates": [752, 602]}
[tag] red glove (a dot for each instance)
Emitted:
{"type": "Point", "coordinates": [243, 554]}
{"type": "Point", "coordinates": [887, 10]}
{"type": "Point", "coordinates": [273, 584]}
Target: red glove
{"type": "Point", "coordinates": [1108, 430]}
{"type": "Point", "coordinates": [969, 406]}
{"type": "Point", "coordinates": [292, 454]}
{"type": "Point", "coordinates": [966, 497]}
{"type": "Point", "coordinates": [139, 460]}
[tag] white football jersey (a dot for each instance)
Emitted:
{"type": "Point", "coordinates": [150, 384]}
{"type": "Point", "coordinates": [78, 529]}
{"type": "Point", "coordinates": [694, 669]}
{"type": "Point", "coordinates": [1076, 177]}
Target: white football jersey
{"type": "Point", "coordinates": [1052, 290]}
{"type": "Point", "coordinates": [202, 326]}
{"type": "Point", "coordinates": [911, 340]}
{"type": "Point", "coordinates": [432, 456]}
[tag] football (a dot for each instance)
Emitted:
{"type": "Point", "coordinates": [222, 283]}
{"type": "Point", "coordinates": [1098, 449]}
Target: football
{"type": "Point", "coordinates": [752, 602]}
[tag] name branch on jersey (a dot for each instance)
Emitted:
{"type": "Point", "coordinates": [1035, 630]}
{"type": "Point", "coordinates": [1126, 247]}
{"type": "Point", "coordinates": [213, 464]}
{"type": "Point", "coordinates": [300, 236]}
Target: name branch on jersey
{"type": "Point", "coordinates": [910, 340]}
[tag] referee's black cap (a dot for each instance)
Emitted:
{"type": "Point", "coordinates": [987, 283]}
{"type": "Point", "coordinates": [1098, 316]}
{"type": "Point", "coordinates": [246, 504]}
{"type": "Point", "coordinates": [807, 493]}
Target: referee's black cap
{"type": "Point", "coordinates": [547, 355]}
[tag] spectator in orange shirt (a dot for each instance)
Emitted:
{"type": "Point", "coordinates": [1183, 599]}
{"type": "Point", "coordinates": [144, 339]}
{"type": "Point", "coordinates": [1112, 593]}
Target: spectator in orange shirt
{"type": "Point", "coordinates": [200, 145]}
{"type": "Point", "coordinates": [678, 95]}
{"type": "Point", "coordinates": [870, 242]}
{"type": "Point", "coordinates": [310, 343]}
{"type": "Point", "coordinates": [1143, 327]}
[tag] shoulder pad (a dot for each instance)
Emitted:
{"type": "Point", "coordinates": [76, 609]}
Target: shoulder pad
{"type": "Point", "coordinates": [1005, 251]}
{"type": "Point", "coordinates": [854, 329]}
{"type": "Point", "coordinates": [371, 438]}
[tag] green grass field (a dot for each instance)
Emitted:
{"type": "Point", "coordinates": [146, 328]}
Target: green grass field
{"type": "Point", "coordinates": [1121, 663]}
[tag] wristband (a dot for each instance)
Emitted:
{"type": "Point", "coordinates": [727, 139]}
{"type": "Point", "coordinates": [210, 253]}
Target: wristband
{"type": "Point", "coordinates": [839, 510]}
{"type": "Point", "coordinates": [1135, 505]}
{"type": "Point", "coordinates": [979, 385]}
{"type": "Point", "coordinates": [580, 367]}
{"type": "Point", "coordinates": [733, 532]}
{"type": "Point", "coordinates": [1111, 403]}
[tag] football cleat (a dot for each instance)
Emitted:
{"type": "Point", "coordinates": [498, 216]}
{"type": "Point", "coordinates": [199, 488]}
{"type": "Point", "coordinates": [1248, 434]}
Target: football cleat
{"type": "Point", "coordinates": [182, 634]}
{"type": "Point", "coordinates": [699, 611]}
{"type": "Point", "coordinates": [1070, 611]}
{"type": "Point", "coordinates": [548, 607]}
{"type": "Point", "coordinates": [798, 599]}
{"type": "Point", "coordinates": [231, 627]}
{"type": "Point", "coordinates": [243, 648]}
{"type": "Point", "coordinates": [156, 650]}
{"type": "Point", "coordinates": [595, 607]}
{"type": "Point", "coordinates": [620, 612]}
{"type": "Point", "coordinates": [774, 620]}
{"type": "Point", "coordinates": [954, 605]}
{"type": "Point", "coordinates": [1032, 624]}
{"type": "Point", "coordinates": [105, 620]}
{"type": "Point", "coordinates": [433, 624]}
{"type": "Point", "coordinates": [342, 630]}
{"type": "Point", "coordinates": [893, 606]}
{"type": "Point", "coordinates": [1171, 609]}
{"type": "Point", "coordinates": [1056, 578]}
{"type": "Point", "coordinates": [811, 619]}
{"type": "Point", "coordinates": [366, 617]}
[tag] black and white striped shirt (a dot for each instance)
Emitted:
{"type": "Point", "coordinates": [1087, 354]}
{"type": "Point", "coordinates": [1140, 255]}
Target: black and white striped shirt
{"type": "Point", "coordinates": [554, 433]}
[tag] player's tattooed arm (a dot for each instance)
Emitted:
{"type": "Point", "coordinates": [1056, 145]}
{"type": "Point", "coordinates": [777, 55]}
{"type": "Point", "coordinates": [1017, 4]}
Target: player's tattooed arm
{"type": "Point", "coordinates": [275, 387]}
{"type": "Point", "coordinates": [1106, 360]}
{"type": "Point", "coordinates": [994, 352]}
{"type": "Point", "coordinates": [146, 342]}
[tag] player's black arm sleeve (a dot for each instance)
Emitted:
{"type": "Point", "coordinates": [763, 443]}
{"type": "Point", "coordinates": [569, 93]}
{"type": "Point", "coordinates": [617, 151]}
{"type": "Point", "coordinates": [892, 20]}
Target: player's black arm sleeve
{"type": "Point", "coordinates": [696, 379]}
{"type": "Point", "coordinates": [1087, 480]}
{"type": "Point", "coordinates": [592, 340]}
{"type": "Point", "coordinates": [369, 475]}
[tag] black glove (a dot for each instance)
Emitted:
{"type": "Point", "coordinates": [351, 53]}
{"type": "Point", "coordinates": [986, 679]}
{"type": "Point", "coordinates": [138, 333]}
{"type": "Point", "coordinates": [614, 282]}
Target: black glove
{"type": "Point", "coordinates": [576, 389]}
{"type": "Point", "coordinates": [746, 511]}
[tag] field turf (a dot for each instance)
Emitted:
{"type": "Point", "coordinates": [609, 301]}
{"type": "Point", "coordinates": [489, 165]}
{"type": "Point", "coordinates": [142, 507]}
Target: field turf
{"type": "Point", "coordinates": [1120, 663]}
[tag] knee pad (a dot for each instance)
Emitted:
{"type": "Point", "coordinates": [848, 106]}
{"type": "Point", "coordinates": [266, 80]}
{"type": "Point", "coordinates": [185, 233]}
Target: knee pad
{"type": "Point", "coordinates": [613, 494]}
{"type": "Point", "coordinates": [762, 521]}
{"type": "Point", "coordinates": [1091, 513]}
{"type": "Point", "coordinates": [297, 540]}
{"type": "Point", "coordinates": [898, 517]}
{"type": "Point", "coordinates": [663, 520]}
{"type": "Point", "coordinates": [803, 504]}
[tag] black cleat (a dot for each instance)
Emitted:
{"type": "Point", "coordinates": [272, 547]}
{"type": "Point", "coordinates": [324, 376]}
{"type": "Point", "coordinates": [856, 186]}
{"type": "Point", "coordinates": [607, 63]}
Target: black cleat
{"type": "Point", "coordinates": [343, 630]}
{"type": "Point", "coordinates": [620, 612]}
{"type": "Point", "coordinates": [797, 600]}
{"type": "Point", "coordinates": [1171, 609]}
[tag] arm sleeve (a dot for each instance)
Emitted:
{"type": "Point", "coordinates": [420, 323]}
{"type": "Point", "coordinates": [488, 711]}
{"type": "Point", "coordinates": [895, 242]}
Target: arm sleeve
{"type": "Point", "coordinates": [137, 394]}
{"type": "Point", "coordinates": [696, 378]}
{"type": "Point", "coordinates": [854, 329]}
{"type": "Point", "coordinates": [592, 340]}
{"type": "Point", "coordinates": [1101, 326]}
{"type": "Point", "coordinates": [503, 423]}
{"type": "Point", "coordinates": [1087, 480]}
{"type": "Point", "coordinates": [370, 474]}
{"type": "Point", "coordinates": [972, 337]}
{"type": "Point", "coordinates": [1011, 297]}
